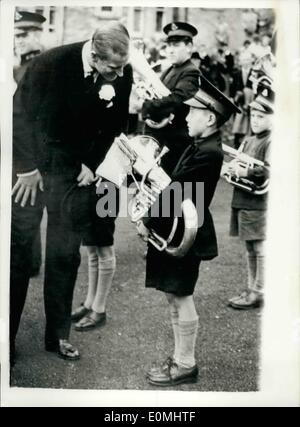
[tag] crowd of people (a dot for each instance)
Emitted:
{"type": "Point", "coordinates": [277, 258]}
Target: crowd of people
{"type": "Point", "coordinates": [70, 104]}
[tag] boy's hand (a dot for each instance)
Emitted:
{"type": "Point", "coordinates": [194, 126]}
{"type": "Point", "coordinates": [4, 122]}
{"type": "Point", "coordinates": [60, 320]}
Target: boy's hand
{"type": "Point", "coordinates": [235, 168]}
{"type": "Point", "coordinates": [143, 231]}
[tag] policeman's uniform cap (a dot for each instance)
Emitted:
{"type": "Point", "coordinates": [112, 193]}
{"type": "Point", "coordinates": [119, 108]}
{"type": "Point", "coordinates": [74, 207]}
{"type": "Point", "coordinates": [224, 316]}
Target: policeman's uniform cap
{"type": "Point", "coordinates": [264, 101]}
{"type": "Point", "coordinates": [211, 98]}
{"type": "Point", "coordinates": [179, 30]}
{"type": "Point", "coordinates": [26, 20]}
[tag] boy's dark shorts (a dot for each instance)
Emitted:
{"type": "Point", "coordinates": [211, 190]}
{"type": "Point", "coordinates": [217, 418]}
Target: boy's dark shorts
{"type": "Point", "coordinates": [173, 275]}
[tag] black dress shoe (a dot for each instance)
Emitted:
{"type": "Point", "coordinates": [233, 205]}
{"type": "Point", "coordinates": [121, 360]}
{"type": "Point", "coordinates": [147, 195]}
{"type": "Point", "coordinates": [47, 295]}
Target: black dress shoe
{"type": "Point", "coordinates": [174, 375]}
{"type": "Point", "coordinates": [64, 350]}
{"type": "Point", "coordinates": [79, 313]}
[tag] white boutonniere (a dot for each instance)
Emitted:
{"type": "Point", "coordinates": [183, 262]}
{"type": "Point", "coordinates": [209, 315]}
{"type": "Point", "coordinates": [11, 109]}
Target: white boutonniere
{"type": "Point", "coordinates": [107, 93]}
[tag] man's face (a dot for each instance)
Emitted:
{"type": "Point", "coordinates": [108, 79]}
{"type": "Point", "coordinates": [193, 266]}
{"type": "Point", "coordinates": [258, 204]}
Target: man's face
{"type": "Point", "coordinates": [178, 52]}
{"type": "Point", "coordinates": [260, 121]}
{"type": "Point", "coordinates": [27, 41]}
{"type": "Point", "coordinates": [197, 121]}
{"type": "Point", "coordinates": [110, 68]}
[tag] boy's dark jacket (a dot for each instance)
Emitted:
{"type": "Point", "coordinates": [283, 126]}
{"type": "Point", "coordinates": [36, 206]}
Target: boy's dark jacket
{"type": "Point", "coordinates": [201, 162]}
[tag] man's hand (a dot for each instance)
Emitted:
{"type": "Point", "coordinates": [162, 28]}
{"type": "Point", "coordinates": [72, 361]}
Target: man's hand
{"type": "Point", "coordinates": [86, 176]}
{"type": "Point", "coordinates": [26, 187]}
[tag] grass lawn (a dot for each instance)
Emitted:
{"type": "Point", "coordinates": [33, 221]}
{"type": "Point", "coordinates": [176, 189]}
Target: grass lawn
{"type": "Point", "coordinates": [138, 330]}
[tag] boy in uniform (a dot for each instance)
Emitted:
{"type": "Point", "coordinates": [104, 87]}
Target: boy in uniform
{"type": "Point", "coordinates": [249, 211]}
{"type": "Point", "coordinates": [177, 277]}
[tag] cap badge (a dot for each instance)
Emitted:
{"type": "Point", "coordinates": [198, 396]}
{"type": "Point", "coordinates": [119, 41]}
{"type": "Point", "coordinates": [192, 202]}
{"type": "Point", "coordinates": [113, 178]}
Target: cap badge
{"type": "Point", "coordinates": [18, 16]}
{"type": "Point", "coordinates": [265, 92]}
{"type": "Point", "coordinates": [174, 27]}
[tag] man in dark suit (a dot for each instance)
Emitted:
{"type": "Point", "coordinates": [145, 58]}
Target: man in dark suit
{"type": "Point", "coordinates": [182, 80]}
{"type": "Point", "coordinates": [177, 277]}
{"type": "Point", "coordinates": [71, 103]}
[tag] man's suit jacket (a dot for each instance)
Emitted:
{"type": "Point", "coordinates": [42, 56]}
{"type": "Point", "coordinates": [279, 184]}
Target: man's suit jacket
{"type": "Point", "coordinates": [55, 110]}
{"type": "Point", "coordinates": [183, 82]}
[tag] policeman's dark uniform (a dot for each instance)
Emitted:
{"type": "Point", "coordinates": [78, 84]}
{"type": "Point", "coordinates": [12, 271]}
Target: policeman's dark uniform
{"type": "Point", "coordinates": [201, 162]}
{"type": "Point", "coordinates": [26, 22]}
{"type": "Point", "coordinates": [182, 81]}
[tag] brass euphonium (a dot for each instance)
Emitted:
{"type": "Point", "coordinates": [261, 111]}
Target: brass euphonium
{"type": "Point", "coordinates": [244, 161]}
{"type": "Point", "coordinates": [150, 86]}
{"type": "Point", "coordinates": [140, 157]}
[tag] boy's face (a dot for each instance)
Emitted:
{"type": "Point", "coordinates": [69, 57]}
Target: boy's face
{"type": "Point", "coordinates": [197, 121]}
{"type": "Point", "coordinates": [260, 121]}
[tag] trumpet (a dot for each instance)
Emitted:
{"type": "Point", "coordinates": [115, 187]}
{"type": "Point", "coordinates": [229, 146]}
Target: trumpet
{"type": "Point", "coordinates": [140, 156]}
{"type": "Point", "coordinates": [150, 87]}
{"type": "Point", "coordinates": [245, 161]}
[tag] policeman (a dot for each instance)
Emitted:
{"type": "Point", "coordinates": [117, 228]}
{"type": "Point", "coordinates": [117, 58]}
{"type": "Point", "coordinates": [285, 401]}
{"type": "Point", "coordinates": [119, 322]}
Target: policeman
{"type": "Point", "coordinates": [28, 32]}
{"type": "Point", "coordinates": [182, 80]}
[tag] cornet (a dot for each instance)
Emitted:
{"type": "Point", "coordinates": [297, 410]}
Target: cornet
{"type": "Point", "coordinates": [150, 87]}
{"type": "Point", "coordinates": [244, 161]}
{"type": "Point", "coordinates": [141, 156]}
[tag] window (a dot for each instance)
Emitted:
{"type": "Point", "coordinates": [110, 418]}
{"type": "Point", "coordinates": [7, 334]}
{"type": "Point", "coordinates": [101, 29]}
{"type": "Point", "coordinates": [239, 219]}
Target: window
{"type": "Point", "coordinates": [137, 20]}
{"type": "Point", "coordinates": [106, 9]}
{"type": "Point", "coordinates": [159, 20]}
{"type": "Point", "coordinates": [176, 14]}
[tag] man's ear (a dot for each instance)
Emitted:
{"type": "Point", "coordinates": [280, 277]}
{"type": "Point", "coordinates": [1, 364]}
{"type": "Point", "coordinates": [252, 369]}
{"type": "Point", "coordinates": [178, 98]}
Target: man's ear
{"type": "Point", "coordinates": [94, 56]}
{"type": "Point", "coordinates": [212, 120]}
{"type": "Point", "coordinates": [190, 47]}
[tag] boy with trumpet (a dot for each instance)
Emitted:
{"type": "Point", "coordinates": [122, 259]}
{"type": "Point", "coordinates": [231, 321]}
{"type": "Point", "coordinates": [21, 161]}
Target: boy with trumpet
{"type": "Point", "coordinates": [177, 277]}
{"type": "Point", "coordinates": [249, 211]}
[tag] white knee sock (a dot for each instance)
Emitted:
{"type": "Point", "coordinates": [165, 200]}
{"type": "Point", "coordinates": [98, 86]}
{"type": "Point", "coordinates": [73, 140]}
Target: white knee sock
{"type": "Point", "coordinates": [107, 267]}
{"type": "Point", "coordinates": [251, 269]}
{"type": "Point", "coordinates": [258, 285]}
{"type": "Point", "coordinates": [93, 271]}
{"type": "Point", "coordinates": [174, 321]}
{"type": "Point", "coordinates": [188, 335]}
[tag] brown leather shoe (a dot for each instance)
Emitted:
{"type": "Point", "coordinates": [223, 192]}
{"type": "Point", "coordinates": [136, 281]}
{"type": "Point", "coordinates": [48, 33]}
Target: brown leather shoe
{"type": "Point", "coordinates": [91, 321]}
{"type": "Point", "coordinates": [173, 375]}
{"type": "Point", "coordinates": [79, 313]}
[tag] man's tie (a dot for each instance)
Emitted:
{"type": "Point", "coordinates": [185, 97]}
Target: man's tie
{"type": "Point", "coordinates": [90, 80]}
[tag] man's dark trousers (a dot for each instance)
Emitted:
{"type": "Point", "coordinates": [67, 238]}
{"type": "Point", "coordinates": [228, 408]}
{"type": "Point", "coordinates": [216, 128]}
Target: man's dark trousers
{"type": "Point", "coordinates": [62, 252]}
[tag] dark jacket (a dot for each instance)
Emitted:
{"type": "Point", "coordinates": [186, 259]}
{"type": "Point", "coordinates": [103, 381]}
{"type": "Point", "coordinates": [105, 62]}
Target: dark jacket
{"type": "Point", "coordinates": [183, 82]}
{"type": "Point", "coordinates": [237, 85]}
{"type": "Point", "coordinates": [201, 162]}
{"type": "Point", "coordinates": [54, 109]}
